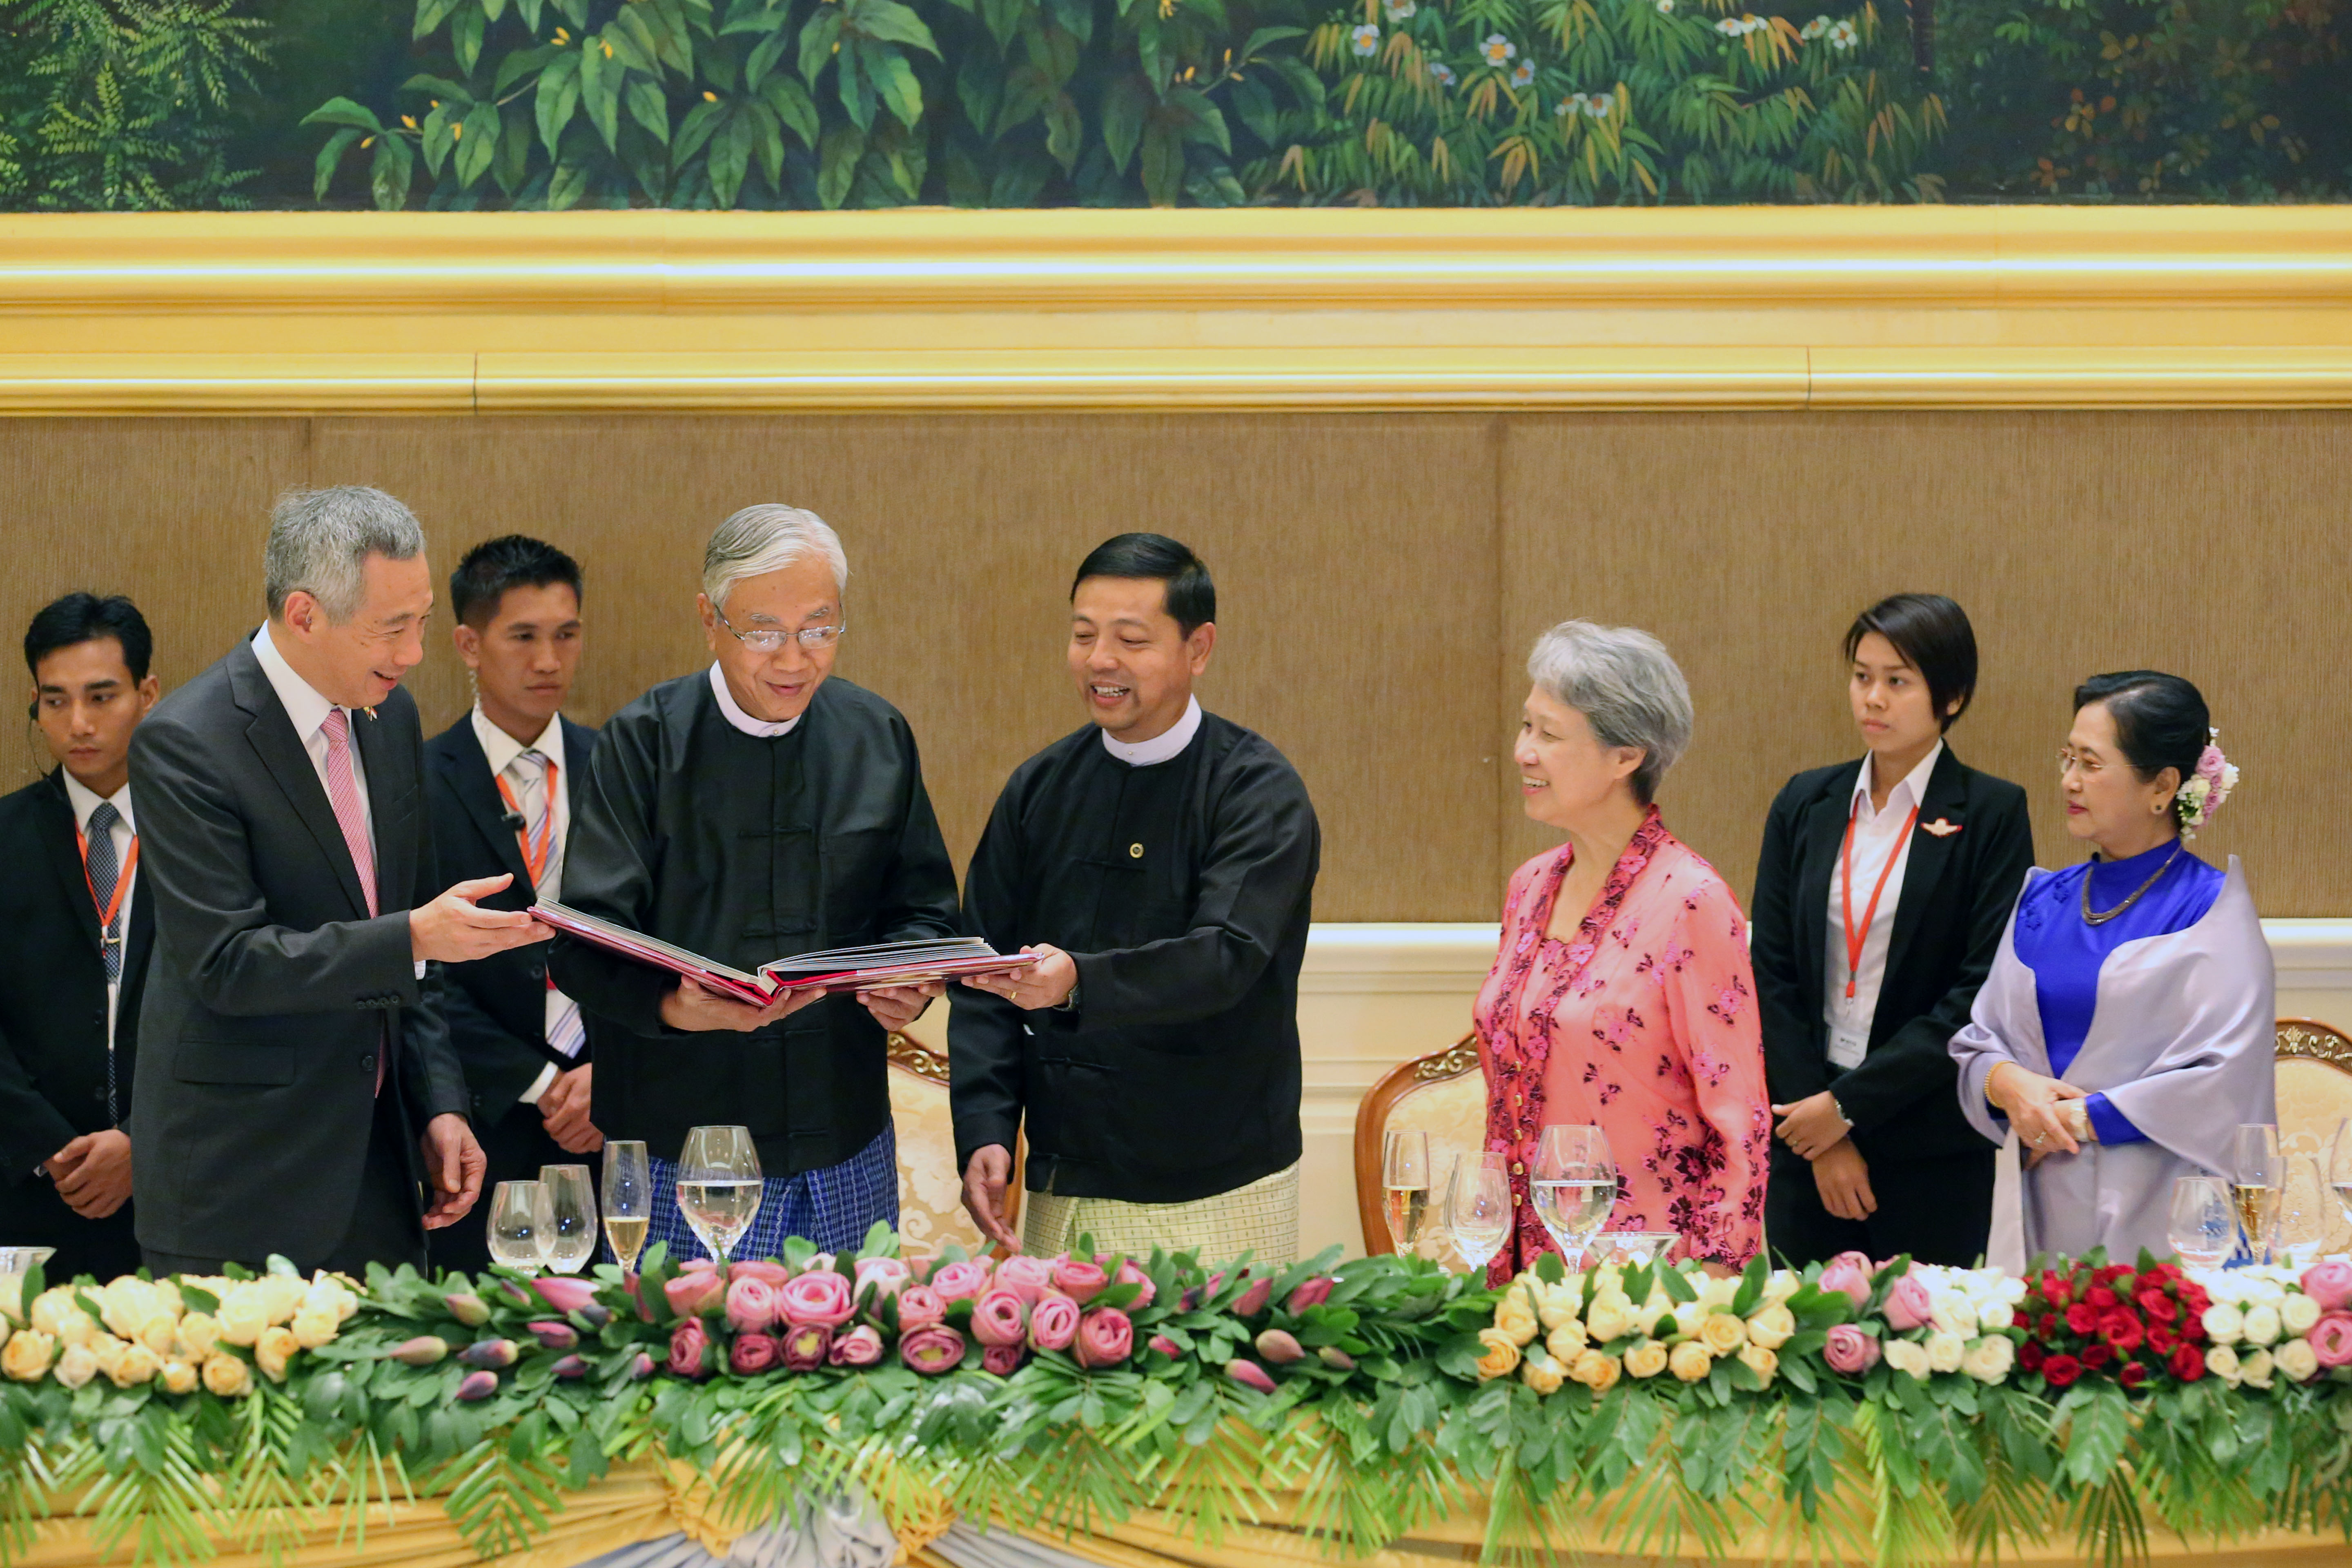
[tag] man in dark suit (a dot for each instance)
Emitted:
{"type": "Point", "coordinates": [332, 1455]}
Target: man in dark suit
{"type": "Point", "coordinates": [499, 782]}
{"type": "Point", "coordinates": [298, 1082]}
{"type": "Point", "coordinates": [79, 933]}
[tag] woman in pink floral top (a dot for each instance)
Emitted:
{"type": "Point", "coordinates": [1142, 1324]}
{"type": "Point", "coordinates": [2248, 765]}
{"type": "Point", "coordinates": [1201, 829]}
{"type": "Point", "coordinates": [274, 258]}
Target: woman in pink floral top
{"type": "Point", "coordinates": [1623, 995]}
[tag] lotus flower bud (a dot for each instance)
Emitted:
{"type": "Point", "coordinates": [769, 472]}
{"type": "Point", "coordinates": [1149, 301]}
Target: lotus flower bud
{"type": "Point", "coordinates": [1165, 1346]}
{"type": "Point", "coordinates": [1311, 1292]}
{"type": "Point", "coordinates": [424, 1350]}
{"type": "Point", "coordinates": [1249, 1375]}
{"type": "Point", "coordinates": [555, 1336]}
{"type": "Point", "coordinates": [571, 1366]}
{"type": "Point", "coordinates": [595, 1314]}
{"type": "Point", "coordinates": [478, 1386]}
{"type": "Point", "coordinates": [565, 1293]}
{"type": "Point", "coordinates": [1253, 1301]}
{"type": "Point", "coordinates": [490, 1354]}
{"type": "Point", "coordinates": [1279, 1347]}
{"type": "Point", "coordinates": [642, 1368]}
{"type": "Point", "coordinates": [1336, 1359]}
{"type": "Point", "coordinates": [516, 1293]}
{"type": "Point", "coordinates": [468, 1309]}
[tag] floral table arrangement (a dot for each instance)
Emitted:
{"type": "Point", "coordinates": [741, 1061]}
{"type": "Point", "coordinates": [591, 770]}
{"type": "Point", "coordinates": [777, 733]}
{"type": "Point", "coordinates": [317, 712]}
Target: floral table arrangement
{"type": "Point", "coordinates": [1860, 1411]}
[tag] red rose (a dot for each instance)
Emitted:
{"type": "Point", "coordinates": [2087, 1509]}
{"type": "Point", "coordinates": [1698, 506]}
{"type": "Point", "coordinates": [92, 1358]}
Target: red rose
{"type": "Point", "coordinates": [2060, 1371]}
{"type": "Point", "coordinates": [2161, 1340]}
{"type": "Point", "coordinates": [2083, 1318]}
{"type": "Point", "coordinates": [2159, 1306]}
{"type": "Point", "coordinates": [2097, 1354]}
{"type": "Point", "coordinates": [2032, 1356]}
{"type": "Point", "coordinates": [2121, 1329]}
{"type": "Point", "coordinates": [2111, 1273]}
{"type": "Point", "coordinates": [2054, 1288]}
{"type": "Point", "coordinates": [2187, 1363]}
{"type": "Point", "coordinates": [2102, 1297]}
{"type": "Point", "coordinates": [2193, 1298]}
{"type": "Point", "coordinates": [2133, 1375]}
{"type": "Point", "coordinates": [2048, 1327]}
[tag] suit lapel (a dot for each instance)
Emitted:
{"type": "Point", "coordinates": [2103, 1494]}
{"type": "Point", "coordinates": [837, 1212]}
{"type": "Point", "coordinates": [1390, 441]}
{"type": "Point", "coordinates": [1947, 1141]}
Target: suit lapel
{"type": "Point", "coordinates": [1931, 853]}
{"type": "Point", "coordinates": [477, 789]}
{"type": "Point", "coordinates": [271, 736]}
{"type": "Point", "coordinates": [65, 858]}
{"type": "Point", "coordinates": [1825, 832]}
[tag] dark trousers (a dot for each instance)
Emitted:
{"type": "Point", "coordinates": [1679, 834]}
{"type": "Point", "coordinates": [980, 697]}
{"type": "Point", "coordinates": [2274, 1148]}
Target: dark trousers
{"type": "Point", "coordinates": [32, 1215]}
{"type": "Point", "coordinates": [388, 1223]}
{"type": "Point", "coordinates": [513, 1149]}
{"type": "Point", "coordinates": [1938, 1209]}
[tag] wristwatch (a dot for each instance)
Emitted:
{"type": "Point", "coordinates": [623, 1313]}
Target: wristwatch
{"type": "Point", "coordinates": [1841, 1116]}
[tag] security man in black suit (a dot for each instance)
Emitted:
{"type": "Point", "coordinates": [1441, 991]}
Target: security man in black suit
{"type": "Point", "coordinates": [499, 785]}
{"type": "Point", "coordinates": [79, 927]}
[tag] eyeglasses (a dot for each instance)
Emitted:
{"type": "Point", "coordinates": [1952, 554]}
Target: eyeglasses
{"type": "Point", "coordinates": [2077, 762]}
{"type": "Point", "coordinates": [767, 639]}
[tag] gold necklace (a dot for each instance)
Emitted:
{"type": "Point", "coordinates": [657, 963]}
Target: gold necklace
{"type": "Point", "coordinates": [2100, 919]}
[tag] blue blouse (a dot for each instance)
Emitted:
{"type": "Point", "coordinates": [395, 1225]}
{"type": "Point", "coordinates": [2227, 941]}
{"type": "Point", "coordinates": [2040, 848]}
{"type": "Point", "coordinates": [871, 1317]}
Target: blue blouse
{"type": "Point", "coordinates": [2066, 953]}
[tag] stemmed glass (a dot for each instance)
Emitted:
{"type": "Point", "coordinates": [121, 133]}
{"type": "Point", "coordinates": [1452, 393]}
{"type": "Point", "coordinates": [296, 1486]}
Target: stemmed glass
{"type": "Point", "coordinates": [1573, 1187]}
{"type": "Point", "coordinates": [2339, 1167]}
{"type": "Point", "coordinates": [2203, 1228]}
{"type": "Point", "coordinates": [718, 1187]}
{"type": "Point", "coordinates": [1404, 1186]}
{"type": "Point", "coordinates": [1478, 1209]}
{"type": "Point", "coordinates": [2259, 1174]}
{"type": "Point", "coordinates": [572, 1216]}
{"type": "Point", "coordinates": [2304, 1213]}
{"type": "Point", "coordinates": [520, 1223]}
{"type": "Point", "coordinates": [628, 1199]}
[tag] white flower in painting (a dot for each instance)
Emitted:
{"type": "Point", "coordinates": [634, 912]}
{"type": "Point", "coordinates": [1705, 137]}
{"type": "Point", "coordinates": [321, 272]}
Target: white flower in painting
{"type": "Point", "coordinates": [1442, 74]}
{"type": "Point", "coordinates": [1398, 10]}
{"type": "Point", "coordinates": [1666, 7]}
{"type": "Point", "coordinates": [1523, 73]}
{"type": "Point", "coordinates": [1814, 29]}
{"type": "Point", "coordinates": [1572, 104]}
{"type": "Point", "coordinates": [1729, 26]}
{"type": "Point", "coordinates": [1499, 50]}
{"type": "Point", "coordinates": [1366, 37]}
{"type": "Point", "coordinates": [1843, 36]}
{"type": "Point", "coordinates": [1597, 106]}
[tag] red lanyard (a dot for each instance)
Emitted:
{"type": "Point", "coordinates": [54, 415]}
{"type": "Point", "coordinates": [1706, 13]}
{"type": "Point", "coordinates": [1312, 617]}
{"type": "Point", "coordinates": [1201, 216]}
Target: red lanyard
{"type": "Point", "coordinates": [113, 906]}
{"type": "Point", "coordinates": [1854, 939]}
{"type": "Point", "coordinates": [535, 864]}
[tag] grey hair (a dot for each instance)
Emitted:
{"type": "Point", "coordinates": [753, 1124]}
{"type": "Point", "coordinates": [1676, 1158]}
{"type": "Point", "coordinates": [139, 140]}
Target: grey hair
{"type": "Point", "coordinates": [763, 539]}
{"type": "Point", "coordinates": [319, 542]}
{"type": "Point", "coordinates": [1626, 685]}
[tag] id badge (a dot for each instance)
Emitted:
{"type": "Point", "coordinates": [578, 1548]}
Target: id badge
{"type": "Point", "coordinates": [1848, 1047]}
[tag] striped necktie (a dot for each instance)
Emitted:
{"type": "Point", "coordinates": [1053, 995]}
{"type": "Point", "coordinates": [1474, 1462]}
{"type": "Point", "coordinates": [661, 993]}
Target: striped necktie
{"type": "Point", "coordinates": [565, 1032]}
{"type": "Point", "coordinates": [103, 871]}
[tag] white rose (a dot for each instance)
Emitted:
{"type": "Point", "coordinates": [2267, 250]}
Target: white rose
{"type": "Point", "coordinates": [244, 1313]}
{"type": "Point", "coordinates": [284, 1292]}
{"type": "Point", "coordinates": [1995, 1316]}
{"type": "Point", "coordinates": [1989, 1359]}
{"type": "Point", "coordinates": [1780, 1286]}
{"type": "Point", "coordinates": [1955, 1314]}
{"type": "Point", "coordinates": [126, 1305]}
{"type": "Point", "coordinates": [2225, 1324]}
{"type": "Point", "coordinates": [2222, 1362]}
{"type": "Point", "coordinates": [1909, 1356]}
{"type": "Point", "coordinates": [76, 1367]}
{"type": "Point", "coordinates": [1772, 1327]}
{"type": "Point", "coordinates": [2257, 1369]}
{"type": "Point", "coordinates": [1688, 1316]}
{"type": "Point", "coordinates": [2297, 1313]}
{"type": "Point", "coordinates": [1608, 1321]}
{"type": "Point", "coordinates": [1715, 1294]}
{"type": "Point", "coordinates": [2264, 1292]}
{"type": "Point", "coordinates": [2262, 1325]}
{"type": "Point", "coordinates": [1945, 1352]}
{"type": "Point", "coordinates": [314, 1327]}
{"type": "Point", "coordinates": [2296, 1362]}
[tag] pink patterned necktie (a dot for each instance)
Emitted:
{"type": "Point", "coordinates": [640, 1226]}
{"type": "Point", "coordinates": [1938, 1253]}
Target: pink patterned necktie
{"type": "Point", "coordinates": [343, 793]}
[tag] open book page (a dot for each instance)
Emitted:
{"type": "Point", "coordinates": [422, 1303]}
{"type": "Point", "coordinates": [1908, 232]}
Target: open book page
{"type": "Point", "coordinates": [839, 969]}
{"type": "Point", "coordinates": [757, 989]}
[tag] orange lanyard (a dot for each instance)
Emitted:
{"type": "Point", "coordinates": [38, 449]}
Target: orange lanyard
{"type": "Point", "coordinates": [113, 906]}
{"type": "Point", "coordinates": [1854, 939]}
{"type": "Point", "coordinates": [536, 864]}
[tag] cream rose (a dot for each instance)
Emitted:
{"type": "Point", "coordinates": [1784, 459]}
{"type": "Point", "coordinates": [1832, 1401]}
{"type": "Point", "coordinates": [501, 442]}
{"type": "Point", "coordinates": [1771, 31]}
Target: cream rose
{"type": "Point", "coordinates": [1608, 1321]}
{"type": "Point", "coordinates": [284, 1293]}
{"type": "Point", "coordinates": [2225, 1324]}
{"type": "Point", "coordinates": [1909, 1356]}
{"type": "Point", "coordinates": [2297, 1361]}
{"type": "Point", "coordinates": [2222, 1362]}
{"type": "Point", "coordinates": [179, 1375]}
{"type": "Point", "coordinates": [2297, 1313]}
{"type": "Point", "coordinates": [1501, 1356]}
{"type": "Point", "coordinates": [194, 1336]}
{"type": "Point", "coordinates": [1778, 1286]}
{"type": "Point", "coordinates": [1597, 1371]}
{"type": "Point", "coordinates": [327, 1294]}
{"type": "Point", "coordinates": [1651, 1314]}
{"type": "Point", "coordinates": [1565, 1340]}
{"type": "Point", "coordinates": [271, 1350]}
{"type": "Point", "coordinates": [158, 1332]}
{"type": "Point", "coordinates": [1995, 1316]}
{"type": "Point", "coordinates": [1989, 1359]}
{"type": "Point", "coordinates": [1765, 1363]}
{"type": "Point", "coordinates": [1715, 1294]}
{"type": "Point", "coordinates": [314, 1326]}
{"type": "Point", "coordinates": [1542, 1373]}
{"type": "Point", "coordinates": [2262, 1325]}
{"type": "Point", "coordinates": [76, 1366]}
{"type": "Point", "coordinates": [1773, 1327]}
{"type": "Point", "coordinates": [108, 1349]}
{"type": "Point", "coordinates": [56, 1314]}
{"type": "Point", "coordinates": [27, 1355]}
{"type": "Point", "coordinates": [227, 1377]}
{"type": "Point", "coordinates": [1647, 1358]}
{"type": "Point", "coordinates": [244, 1313]}
{"type": "Point", "coordinates": [1557, 1304]}
{"type": "Point", "coordinates": [126, 1305]}
{"type": "Point", "coordinates": [1722, 1334]}
{"type": "Point", "coordinates": [2256, 1368]}
{"type": "Point", "coordinates": [1688, 1316]}
{"type": "Point", "coordinates": [1689, 1361]}
{"type": "Point", "coordinates": [135, 1365]}
{"type": "Point", "coordinates": [1515, 1316]}
{"type": "Point", "coordinates": [1945, 1352]}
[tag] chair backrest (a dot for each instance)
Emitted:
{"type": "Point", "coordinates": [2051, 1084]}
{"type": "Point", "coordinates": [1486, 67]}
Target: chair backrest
{"type": "Point", "coordinates": [2314, 1096]}
{"type": "Point", "coordinates": [930, 1188]}
{"type": "Point", "coordinates": [1442, 1094]}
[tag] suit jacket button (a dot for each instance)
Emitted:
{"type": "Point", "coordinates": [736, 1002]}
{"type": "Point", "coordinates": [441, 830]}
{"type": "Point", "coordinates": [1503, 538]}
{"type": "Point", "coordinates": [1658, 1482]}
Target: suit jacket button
{"type": "Point", "coordinates": [367, 1063]}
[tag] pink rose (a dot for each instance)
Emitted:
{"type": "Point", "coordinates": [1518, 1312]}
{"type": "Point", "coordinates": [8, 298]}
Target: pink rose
{"type": "Point", "coordinates": [1849, 1272]}
{"type": "Point", "coordinates": [816, 1299]}
{"type": "Point", "coordinates": [1131, 1273]}
{"type": "Point", "coordinates": [762, 1270]}
{"type": "Point", "coordinates": [1907, 1306]}
{"type": "Point", "coordinates": [998, 1319]}
{"type": "Point", "coordinates": [2329, 1283]}
{"type": "Point", "coordinates": [1003, 1360]}
{"type": "Point", "coordinates": [1026, 1277]}
{"type": "Point", "coordinates": [806, 1346]}
{"type": "Point", "coordinates": [886, 1274]}
{"type": "Point", "coordinates": [961, 1281]}
{"type": "Point", "coordinates": [751, 1305]}
{"type": "Point", "coordinates": [692, 1293]}
{"type": "Point", "coordinates": [2331, 1339]}
{"type": "Point", "coordinates": [820, 1264]}
{"type": "Point", "coordinates": [1080, 1281]}
{"type": "Point", "coordinates": [932, 1350]}
{"type": "Point", "coordinates": [861, 1346]}
{"type": "Point", "coordinates": [753, 1353]}
{"type": "Point", "coordinates": [1311, 1292]}
{"type": "Point", "coordinates": [1053, 1323]}
{"type": "Point", "coordinates": [1850, 1351]}
{"type": "Point", "coordinates": [687, 1343]}
{"type": "Point", "coordinates": [1106, 1337]}
{"type": "Point", "coordinates": [920, 1307]}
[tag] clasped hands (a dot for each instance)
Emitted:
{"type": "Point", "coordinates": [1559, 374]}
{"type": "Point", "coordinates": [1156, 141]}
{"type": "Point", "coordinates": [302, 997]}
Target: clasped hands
{"type": "Point", "coordinates": [1814, 1131]}
{"type": "Point", "coordinates": [2050, 1115]}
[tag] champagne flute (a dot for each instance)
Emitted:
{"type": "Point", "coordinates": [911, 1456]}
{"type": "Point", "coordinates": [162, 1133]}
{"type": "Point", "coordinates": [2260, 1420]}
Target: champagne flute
{"type": "Point", "coordinates": [571, 1216]}
{"type": "Point", "coordinates": [2304, 1213]}
{"type": "Point", "coordinates": [2258, 1176]}
{"type": "Point", "coordinates": [1478, 1209]}
{"type": "Point", "coordinates": [2203, 1226]}
{"type": "Point", "coordinates": [1573, 1187]}
{"type": "Point", "coordinates": [718, 1187]}
{"type": "Point", "coordinates": [628, 1199]}
{"type": "Point", "coordinates": [1404, 1186]}
{"type": "Point", "coordinates": [519, 1224]}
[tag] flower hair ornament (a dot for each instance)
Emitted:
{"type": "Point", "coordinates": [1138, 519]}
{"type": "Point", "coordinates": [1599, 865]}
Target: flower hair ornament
{"type": "Point", "coordinates": [2206, 788]}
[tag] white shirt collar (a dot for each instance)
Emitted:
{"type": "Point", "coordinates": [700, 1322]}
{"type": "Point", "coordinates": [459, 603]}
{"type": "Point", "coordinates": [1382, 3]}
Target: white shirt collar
{"type": "Point", "coordinates": [300, 699]}
{"type": "Point", "coordinates": [1912, 791]}
{"type": "Point", "coordinates": [733, 710]}
{"type": "Point", "coordinates": [502, 748]}
{"type": "Point", "coordinates": [85, 801]}
{"type": "Point", "coordinates": [1160, 748]}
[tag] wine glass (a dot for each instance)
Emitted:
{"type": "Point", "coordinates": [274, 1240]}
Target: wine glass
{"type": "Point", "coordinates": [2203, 1228]}
{"type": "Point", "coordinates": [2339, 1167]}
{"type": "Point", "coordinates": [1573, 1187]}
{"type": "Point", "coordinates": [2304, 1210]}
{"type": "Point", "coordinates": [571, 1216]}
{"type": "Point", "coordinates": [519, 1224]}
{"type": "Point", "coordinates": [2258, 1176]}
{"type": "Point", "coordinates": [1478, 1209]}
{"type": "Point", "coordinates": [1404, 1186]}
{"type": "Point", "coordinates": [718, 1187]}
{"type": "Point", "coordinates": [1628, 1248]}
{"type": "Point", "coordinates": [628, 1199]}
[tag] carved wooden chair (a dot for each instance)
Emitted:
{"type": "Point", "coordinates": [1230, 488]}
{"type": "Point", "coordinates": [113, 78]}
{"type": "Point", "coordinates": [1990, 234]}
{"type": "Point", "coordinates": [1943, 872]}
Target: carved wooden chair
{"type": "Point", "coordinates": [1442, 1094]}
{"type": "Point", "coordinates": [2315, 1095]}
{"type": "Point", "coordinates": [931, 1187]}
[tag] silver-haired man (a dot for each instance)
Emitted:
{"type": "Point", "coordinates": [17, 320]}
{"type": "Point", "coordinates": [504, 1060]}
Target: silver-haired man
{"type": "Point", "coordinates": [752, 811]}
{"type": "Point", "coordinates": [296, 1083]}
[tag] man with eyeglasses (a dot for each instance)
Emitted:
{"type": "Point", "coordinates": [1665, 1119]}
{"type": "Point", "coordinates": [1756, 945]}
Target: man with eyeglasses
{"type": "Point", "coordinates": [750, 812]}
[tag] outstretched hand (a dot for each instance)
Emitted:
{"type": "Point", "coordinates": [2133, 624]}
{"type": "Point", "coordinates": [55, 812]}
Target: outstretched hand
{"type": "Point", "coordinates": [455, 929]}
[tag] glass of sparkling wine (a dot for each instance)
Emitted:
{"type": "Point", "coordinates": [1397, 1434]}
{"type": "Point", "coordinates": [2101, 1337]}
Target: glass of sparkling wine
{"type": "Point", "coordinates": [571, 1218]}
{"type": "Point", "coordinates": [520, 1223]}
{"type": "Point", "coordinates": [1573, 1187]}
{"type": "Point", "coordinates": [628, 1199]}
{"type": "Point", "coordinates": [2258, 1176]}
{"type": "Point", "coordinates": [1404, 1186]}
{"type": "Point", "coordinates": [2203, 1228]}
{"type": "Point", "coordinates": [1478, 1208]}
{"type": "Point", "coordinates": [719, 1185]}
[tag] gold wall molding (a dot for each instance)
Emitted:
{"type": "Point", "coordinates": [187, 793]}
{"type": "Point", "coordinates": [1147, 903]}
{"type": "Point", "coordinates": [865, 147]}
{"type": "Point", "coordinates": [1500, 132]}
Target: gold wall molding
{"type": "Point", "coordinates": [1724, 308]}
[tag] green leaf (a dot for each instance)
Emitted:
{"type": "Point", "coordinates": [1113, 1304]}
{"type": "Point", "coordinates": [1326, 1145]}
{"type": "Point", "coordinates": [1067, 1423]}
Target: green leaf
{"type": "Point", "coordinates": [343, 111]}
{"type": "Point", "coordinates": [894, 79]}
{"type": "Point", "coordinates": [529, 10]}
{"type": "Point", "coordinates": [566, 186]}
{"type": "Point", "coordinates": [838, 164]}
{"type": "Point", "coordinates": [730, 155]}
{"type": "Point", "coordinates": [649, 108]}
{"type": "Point", "coordinates": [1253, 102]}
{"type": "Point", "coordinates": [600, 89]}
{"type": "Point", "coordinates": [330, 156]}
{"type": "Point", "coordinates": [466, 37]}
{"type": "Point", "coordinates": [558, 98]}
{"type": "Point", "coordinates": [431, 13]}
{"type": "Point", "coordinates": [438, 86]}
{"type": "Point", "coordinates": [768, 146]}
{"type": "Point", "coordinates": [1076, 17]}
{"type": "Point", "coordinates": [438, 140]}
{"type": "Point", "coordinates": [634, 44]}
{"type": "Point", "coordinates": [493, 9]}
{"type": "Point", "coordinates": [1063, 133]}
{"type": "Point", "coordinates": [513, 165]}
{"type": "Point", "coordinates": [819, 41]}
{"type": "Point", "coordinates": [1264, 36]}
{"type": "Point", "coordinates": [479, 144]}
{"type": "Point", "coordinates": [1124, 108]}
{"type": "Point", "coordinates": [521, 64]}
{"type": "Point", "coordinates": [888, 21]}
{"type": "Point", "coordinates": [396, 164]}
{"type": "Point", "coordinates": [1203, 121]}
{"type": "Point", "coordinates": [850, 82]}
{"type": "Point", "coordinates": [1163, 164]}
{"type": "Point", "coordinates": [764, 55]}
{"type": "Point", "coordinates": [793, 107]}
{"type": "Point", "coordinates": [695, 130]}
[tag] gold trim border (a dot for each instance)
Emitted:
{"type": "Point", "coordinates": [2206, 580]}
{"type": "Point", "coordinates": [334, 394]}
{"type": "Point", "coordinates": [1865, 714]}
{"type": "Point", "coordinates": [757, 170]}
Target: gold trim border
{"type": "Point", "coordinates": [1719, 307]}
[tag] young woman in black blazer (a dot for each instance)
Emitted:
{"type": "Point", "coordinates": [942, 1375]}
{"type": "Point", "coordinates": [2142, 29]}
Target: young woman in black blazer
{"type": "Point", "coordinates": [1881, 897]}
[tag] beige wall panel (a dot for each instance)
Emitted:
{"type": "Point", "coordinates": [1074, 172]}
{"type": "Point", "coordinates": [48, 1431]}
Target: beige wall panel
{"type": "Point", "coordinates": [2211, 544]}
